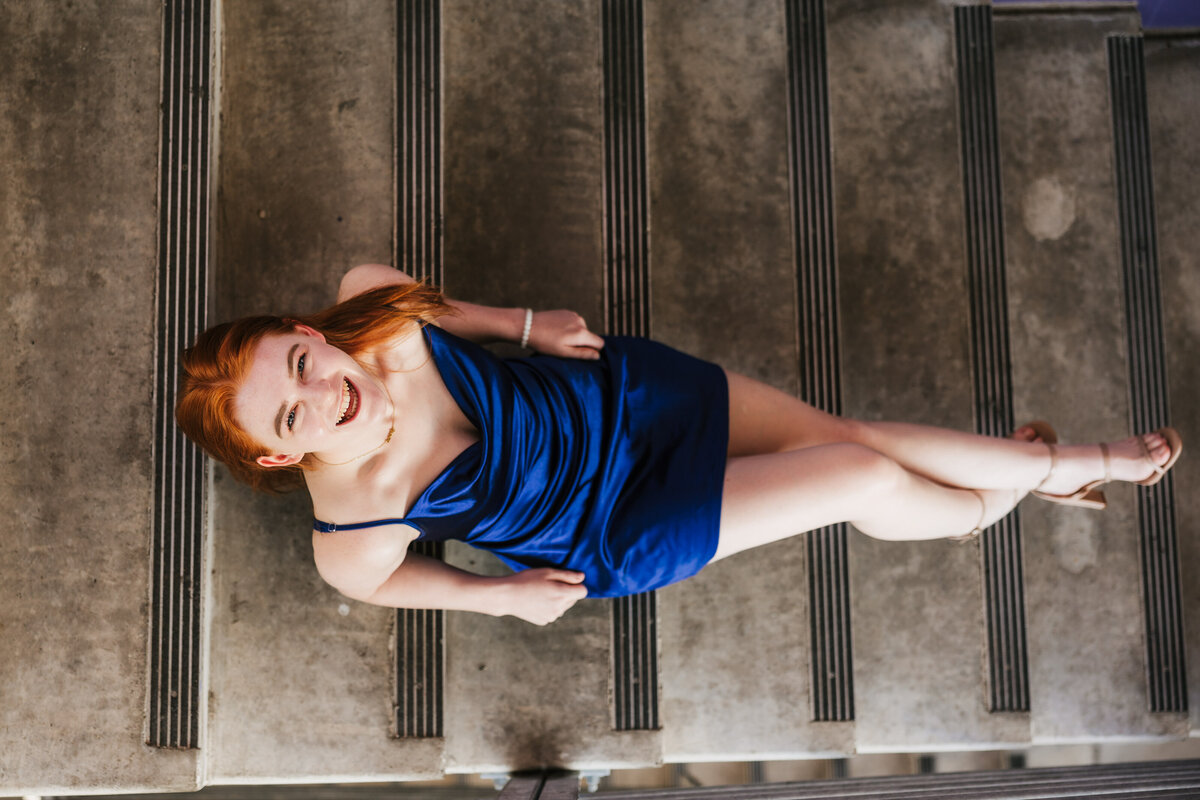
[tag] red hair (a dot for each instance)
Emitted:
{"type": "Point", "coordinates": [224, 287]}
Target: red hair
{"type": "Point", "coordinates": [215, 366]}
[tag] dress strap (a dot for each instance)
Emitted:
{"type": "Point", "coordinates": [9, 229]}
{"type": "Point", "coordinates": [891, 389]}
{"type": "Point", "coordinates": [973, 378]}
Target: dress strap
{"type": "Point", "coordinates": [332, 527]}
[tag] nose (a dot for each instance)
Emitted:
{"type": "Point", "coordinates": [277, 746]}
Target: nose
{"type": "Point", "coordinates": [325, 395]}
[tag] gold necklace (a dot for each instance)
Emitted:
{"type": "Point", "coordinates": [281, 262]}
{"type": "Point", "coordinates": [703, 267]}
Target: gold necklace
{"type": "Point", "coordinates": [386, 439]}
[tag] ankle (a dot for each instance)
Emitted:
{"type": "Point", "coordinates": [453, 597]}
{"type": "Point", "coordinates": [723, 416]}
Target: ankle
{"type": "Point", "coordinates": [1052, 451]}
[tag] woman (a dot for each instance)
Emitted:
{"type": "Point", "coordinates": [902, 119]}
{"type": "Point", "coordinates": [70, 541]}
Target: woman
{"type": "Point", "coordinates": [617, 466]}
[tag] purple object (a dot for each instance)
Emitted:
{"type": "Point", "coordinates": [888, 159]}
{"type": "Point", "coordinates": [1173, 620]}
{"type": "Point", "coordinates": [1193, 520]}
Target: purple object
{"type": "Point", "coordinates": [1156, 14]}
{"type": "Point", "coordinates": [1169, 13]}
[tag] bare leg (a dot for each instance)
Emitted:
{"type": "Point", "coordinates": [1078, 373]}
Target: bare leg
{"type": "Point", "coordinates": [765, 420]}
{"type": "Point", "coordinates": [771, 497]}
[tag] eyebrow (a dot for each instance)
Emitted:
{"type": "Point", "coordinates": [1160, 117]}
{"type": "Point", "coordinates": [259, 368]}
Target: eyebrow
{"type": "Point", "coordinates": [283, 406]}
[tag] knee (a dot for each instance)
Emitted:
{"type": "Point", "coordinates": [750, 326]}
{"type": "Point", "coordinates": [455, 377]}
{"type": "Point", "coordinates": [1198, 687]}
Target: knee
{"type": "Point", "coordinates": [854, 431]}
{"type": "Point", "coordinates": [871, 472]}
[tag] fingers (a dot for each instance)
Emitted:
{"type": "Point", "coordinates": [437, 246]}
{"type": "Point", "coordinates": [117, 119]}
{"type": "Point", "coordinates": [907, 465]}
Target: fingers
{"type": "Point", "coordinates": [586, 338]}
{"type": "Point", "coordinates": [584, 344]}
{"type": "Point", "coordinates": [590, 343]}
{"type": "Point", "coordinates": [542, 594]}
{"type": "Point", "coordinates": [565, 333]}
{"type": "Point", "coordinates": [575, 591]}
{"type": "Point", "coordinates": [585, 353]}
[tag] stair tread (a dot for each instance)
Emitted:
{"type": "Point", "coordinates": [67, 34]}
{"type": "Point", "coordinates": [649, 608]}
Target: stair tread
{"type": "Point", "coordinates": [76, 483]}
{"type": "Point", "coordinates": [1173, 88]}
{"type": "Point", "coordinates": [1083, 596]}
{"type": "Point", "coordinates": [735, 638]}
{"type": "Point", "coordinates": [524, 182]}
{"type": "Point", "coordinates": [919, 629]}
{"type": "Point", "coordinates": [301, 677]}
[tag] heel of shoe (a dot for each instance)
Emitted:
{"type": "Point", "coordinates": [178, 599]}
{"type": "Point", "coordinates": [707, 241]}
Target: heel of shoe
{"type": "Point", "coordinates": [1084, 498]}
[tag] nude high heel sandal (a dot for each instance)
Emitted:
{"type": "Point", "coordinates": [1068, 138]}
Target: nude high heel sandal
{"type": "Point", "coordinates": [1088, 496]}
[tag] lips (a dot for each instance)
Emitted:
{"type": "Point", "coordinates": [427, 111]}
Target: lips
{"type": "Point", "coordinates": [350, 403]}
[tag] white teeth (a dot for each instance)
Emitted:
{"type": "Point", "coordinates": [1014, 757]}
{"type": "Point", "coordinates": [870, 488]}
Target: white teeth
{"type": "Point", "coordinates": [345, 400]}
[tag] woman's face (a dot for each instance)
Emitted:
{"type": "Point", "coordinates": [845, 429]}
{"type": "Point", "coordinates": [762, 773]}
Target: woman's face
{"type": "Point", "coordinates": [302, 395]}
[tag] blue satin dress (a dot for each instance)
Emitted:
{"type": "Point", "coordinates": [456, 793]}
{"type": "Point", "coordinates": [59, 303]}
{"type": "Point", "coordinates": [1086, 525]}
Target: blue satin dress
{"type": "Point", "coordinates": [612, 467]}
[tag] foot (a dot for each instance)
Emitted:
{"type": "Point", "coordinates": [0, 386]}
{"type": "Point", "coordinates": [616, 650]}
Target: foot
{"type": "Point", "coordinates": [1081, 465]}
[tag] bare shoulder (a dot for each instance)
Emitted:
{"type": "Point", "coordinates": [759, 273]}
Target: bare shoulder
{"type": "Point", "coordinates": [366, 277]}
{"type": "Point", "coordinates": [357, 562]}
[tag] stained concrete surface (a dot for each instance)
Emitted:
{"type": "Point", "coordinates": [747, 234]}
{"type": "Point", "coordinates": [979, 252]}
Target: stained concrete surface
{"type": "Point", "coordinates": [301, 677]}
{"type": "Point", "coordinates": [1083, 597]}
{"type": "Point", "coordinates": [722, 274]}
{"type": "Point", "coordinates": [919, 632]}
{"type": "Point", "coordinates": [306, 177]}
{"type": "Point", "coordinates": [734, 638]}
{"type": "Point", "coordinates": [525, 697]}
{"type": "Point", "coordinates": [523, 191]}
{"type": "Point", "coordinates": [523, 156]}
{"type": "Point", "coordinates": [78, 258]}
{"type": "Point", "coordinates": [1173, 86]}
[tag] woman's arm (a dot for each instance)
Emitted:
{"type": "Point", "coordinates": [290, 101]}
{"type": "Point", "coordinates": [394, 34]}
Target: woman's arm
{"type": "Point", "coordinates": [376, 566]}
{"type": "Point", "coordinates": [539, 596]}
{"type": "Point", "coordinates": [562, 333]}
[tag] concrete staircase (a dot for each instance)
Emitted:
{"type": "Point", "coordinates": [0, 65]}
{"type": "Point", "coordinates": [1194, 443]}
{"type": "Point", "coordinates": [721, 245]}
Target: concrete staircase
{"type": "Point", "coordinates": [316, 171]}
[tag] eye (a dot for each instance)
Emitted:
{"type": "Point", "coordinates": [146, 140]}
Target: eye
{"type": "Point", "coordinates": [291, 418]}
{"type": "Point", "coordinates": [300, 365]}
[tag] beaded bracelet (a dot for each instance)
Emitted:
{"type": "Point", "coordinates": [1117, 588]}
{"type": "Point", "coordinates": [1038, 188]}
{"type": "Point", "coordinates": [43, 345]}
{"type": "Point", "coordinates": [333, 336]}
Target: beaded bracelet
{"type": "Point", "coordinates": [528, 326]}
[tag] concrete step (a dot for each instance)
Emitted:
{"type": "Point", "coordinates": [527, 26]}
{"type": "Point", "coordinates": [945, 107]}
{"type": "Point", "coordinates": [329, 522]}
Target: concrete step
{"type": "Point", "coordinates": [314, 89]}
{"type": "Point", "coordinates": [301, 682]}
{"type": "Point", "coordinates": [1173, 87]}
{"type": "Point", "coordinates": [79, 146]}
{"type": "Point", "coordinates": [919, 627]}
{"type": "Point", "coordinates": [1084, 609]}
{"type": "Point", "coordinates": [735, 639]}
{"type": "Point", "coordinates": [524, 183]}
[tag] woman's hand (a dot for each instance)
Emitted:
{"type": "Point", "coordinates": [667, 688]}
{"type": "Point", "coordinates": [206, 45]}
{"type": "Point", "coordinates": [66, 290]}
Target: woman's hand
{"type": "Point", "coordinates": [563, 333]}
{"type": "Point", "coordinates": [540, 595]}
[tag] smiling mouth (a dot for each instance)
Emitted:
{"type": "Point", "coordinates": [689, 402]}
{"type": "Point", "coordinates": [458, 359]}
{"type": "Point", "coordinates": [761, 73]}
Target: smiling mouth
{"type": "Point", "coordinates": [350, 402]}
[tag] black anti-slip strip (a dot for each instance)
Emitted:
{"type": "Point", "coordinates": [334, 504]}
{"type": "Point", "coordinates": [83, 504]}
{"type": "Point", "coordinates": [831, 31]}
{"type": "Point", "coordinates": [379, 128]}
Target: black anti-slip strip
{"type": "Point", "coordinates": [1165, 674]}
{"type": "Point", "coordinates": [418, 236]}
{"type": "Point", "coordinates": [178, 527]}
{"type": "Point", "coordinates": [420, 633]}
{"type": "Point", "coordinates": [820, 359]}
{"type": "Point", "coordinates": [543, 786]}
{"type": "Point", "coordinates": [420, 664]}
{"type": "Point", "coordinates": [1004, 585]}
{"type": "Point", "coordinates": [627, 278]}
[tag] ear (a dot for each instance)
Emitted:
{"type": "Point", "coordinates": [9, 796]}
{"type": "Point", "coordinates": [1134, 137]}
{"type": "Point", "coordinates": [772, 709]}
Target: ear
{"type": "Point", "coordinates": [278, 460]}
{"type": "Point", "coordinates": [307, 331]}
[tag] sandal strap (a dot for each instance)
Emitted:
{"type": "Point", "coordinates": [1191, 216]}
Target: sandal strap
{"type": "Point", "coordinates": [1053, 466]}
{"type": "Point", "coordinates": [1108, 461]}
{"type": "Point", "coordinates": [978, 529]}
